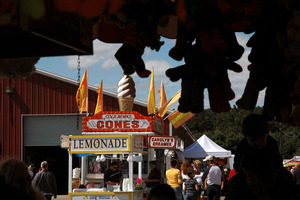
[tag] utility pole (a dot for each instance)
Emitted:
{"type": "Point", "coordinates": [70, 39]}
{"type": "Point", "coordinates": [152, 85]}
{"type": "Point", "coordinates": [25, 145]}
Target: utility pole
{"type": "Point", "coordinates": [280, 141]}
{"type": "Point", "coordinates": [280, 138]}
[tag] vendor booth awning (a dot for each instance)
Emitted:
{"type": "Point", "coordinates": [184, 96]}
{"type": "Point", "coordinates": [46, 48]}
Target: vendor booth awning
{"type": "Point", "coordinates": [291, 162]}
{"type": "Point", "coordinates": [288, 161]}
{"type": "Point", "coordinates": [203, 147]}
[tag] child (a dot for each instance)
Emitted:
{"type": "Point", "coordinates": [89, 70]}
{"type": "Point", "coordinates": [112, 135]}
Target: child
{"type": "Point", "coordinates": [190, 187]}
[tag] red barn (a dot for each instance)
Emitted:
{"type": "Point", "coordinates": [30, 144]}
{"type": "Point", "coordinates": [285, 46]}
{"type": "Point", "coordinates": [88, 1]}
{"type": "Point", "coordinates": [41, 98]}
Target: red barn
{"type": "Point", "coordinates": [36, 111]}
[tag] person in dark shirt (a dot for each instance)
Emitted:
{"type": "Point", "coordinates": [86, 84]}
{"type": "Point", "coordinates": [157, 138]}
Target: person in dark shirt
{"type": "Point", "coordinates": [113, 176]}
{"type": "Point", "coordinates": [12, 192]}
{"type": "Point", "coordinates": [15, 174]}
{"type": "Point", "coordinates": [260, 179]}
{"type": "Point", "coordinates": [153, 177]}
{"type": "Point", "coordinates": [256, 137]}
{"type": "Point", "coordinates": [296, 178]}
{"type": "Point", "coordinates": [9, 190]}
{"type": "Point", "coordinates": [190, 187]}
{"type": "Point", "coordinates": [162, 191]}
{"type": "Point", "coordinates": [45, 182]}
{"type": "Point", "coordinates": [296, 174]}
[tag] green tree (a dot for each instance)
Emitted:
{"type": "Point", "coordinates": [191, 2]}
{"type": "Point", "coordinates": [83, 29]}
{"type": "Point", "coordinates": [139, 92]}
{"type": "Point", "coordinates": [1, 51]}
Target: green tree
{"type": "Point", "coordinates": [226, 130]}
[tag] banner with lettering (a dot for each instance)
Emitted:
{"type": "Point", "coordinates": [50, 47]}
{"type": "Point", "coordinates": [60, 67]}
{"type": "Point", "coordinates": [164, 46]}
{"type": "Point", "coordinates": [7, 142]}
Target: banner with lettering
{"type": "Point", "coordinates": [123, 121]}
{"type": "Point", "coordinates": [100, 144]}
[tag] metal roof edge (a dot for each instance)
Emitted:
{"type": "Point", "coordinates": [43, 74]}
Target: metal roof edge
{"type": "Point", "coordinates": [90, 87]}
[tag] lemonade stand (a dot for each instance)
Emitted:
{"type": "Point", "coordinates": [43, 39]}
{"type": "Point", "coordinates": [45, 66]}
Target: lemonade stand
{"type": "Point", "coordinates": [119, 133]}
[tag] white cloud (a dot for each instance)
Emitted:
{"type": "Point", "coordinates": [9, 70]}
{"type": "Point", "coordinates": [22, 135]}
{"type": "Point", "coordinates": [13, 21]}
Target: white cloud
{"type": "Point", "coordinates": [110, 87]}
{"type": "Point", "coordinates": [160, 66]}
{"type": "Point", "coordinates": [109, 64]}
{"type": "Point", "coordinates": [103, 53]}
{"type": "Point", "coordinates": [85, 61]}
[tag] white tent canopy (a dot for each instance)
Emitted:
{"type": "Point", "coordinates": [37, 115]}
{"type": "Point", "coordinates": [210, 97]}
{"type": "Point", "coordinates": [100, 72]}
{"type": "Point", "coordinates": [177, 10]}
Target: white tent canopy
{"type": "Point", "coordinates": [203, 147]}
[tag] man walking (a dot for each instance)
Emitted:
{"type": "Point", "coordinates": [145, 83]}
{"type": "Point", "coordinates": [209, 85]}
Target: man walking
{"type": "Point", "coordinates": [45, 182]}
{"type": "Point", "coordinates": [213, 179]}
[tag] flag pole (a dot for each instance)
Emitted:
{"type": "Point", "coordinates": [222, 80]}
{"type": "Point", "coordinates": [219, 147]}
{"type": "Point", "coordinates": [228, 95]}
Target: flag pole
{"type": "Point", "coordinates": [83, 158]}
{"type": "Point", "coordinates": [169, 115]}
{"type": "Point", "coordinates": [102, 93]}
{"type": "Point", "coordinates": [188, 130]}
{"type": "Point", "coordinates": [160, 94]}
{"type": "Point", "coordinates": [87, 92]}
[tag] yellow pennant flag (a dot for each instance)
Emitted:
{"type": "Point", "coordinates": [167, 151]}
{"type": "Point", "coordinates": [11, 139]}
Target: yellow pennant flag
{"type": "Point", "coordinates": [99, 105]}
{"type": "Point", "coordinates": [81, 95]}
{"type": "Point", "coordinates": [178, 118]}
{"type": "Point", "coordinates": [151, 97]}
{"type": "Point", "coordinates": [162, 111]}
{"type": "Point", "coordinates": [162, 95]}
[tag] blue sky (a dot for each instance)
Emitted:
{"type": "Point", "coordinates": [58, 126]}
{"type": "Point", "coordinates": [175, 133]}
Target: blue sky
{"type": "Point", "coordinates": [102, 64]}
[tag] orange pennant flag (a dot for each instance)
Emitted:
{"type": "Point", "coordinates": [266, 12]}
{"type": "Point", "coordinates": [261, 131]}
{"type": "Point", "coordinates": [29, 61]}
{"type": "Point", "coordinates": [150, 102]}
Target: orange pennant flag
{"type": "Point", "coordinates": [162, 95]}
{"type": "Point", "coordinates": [81, 95]}
{"type": "Point", "coordinates": [151, 97]}
{"type": "Point", "coordinates": [162, 111]}
{"type": "Point", "coordinates": [178, 118]}
{"type": "Point", "coordinates": [99, 105]}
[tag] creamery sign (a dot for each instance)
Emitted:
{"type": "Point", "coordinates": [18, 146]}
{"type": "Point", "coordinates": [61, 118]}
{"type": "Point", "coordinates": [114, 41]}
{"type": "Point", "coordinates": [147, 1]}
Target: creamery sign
{"type": "Point", "coordinates": [131, 121]}
{"type": "Point", "coordinates": [162, 142]}
{"type": "Point", "coordinates": [100, 144]}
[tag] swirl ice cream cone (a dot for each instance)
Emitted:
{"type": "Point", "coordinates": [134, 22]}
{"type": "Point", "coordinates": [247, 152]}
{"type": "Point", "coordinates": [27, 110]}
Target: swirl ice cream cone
{"type": "Point", "coordinates": [126, 93]}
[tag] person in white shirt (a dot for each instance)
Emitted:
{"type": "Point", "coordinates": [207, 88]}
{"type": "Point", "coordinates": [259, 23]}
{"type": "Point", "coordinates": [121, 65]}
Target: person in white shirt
{"type": "Point", "coordinates": [185, 167]}
{"type": "Point", "coordinates": [198, 177]}
{"type": "Point", "coordinates": [213, 179]}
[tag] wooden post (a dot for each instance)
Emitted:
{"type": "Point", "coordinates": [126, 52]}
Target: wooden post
{"type": "Point", "coordinates": [160, 161]}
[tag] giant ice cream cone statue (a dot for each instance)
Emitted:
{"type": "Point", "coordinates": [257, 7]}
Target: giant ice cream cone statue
{"type": "Point", "coordinates": [126, 93]}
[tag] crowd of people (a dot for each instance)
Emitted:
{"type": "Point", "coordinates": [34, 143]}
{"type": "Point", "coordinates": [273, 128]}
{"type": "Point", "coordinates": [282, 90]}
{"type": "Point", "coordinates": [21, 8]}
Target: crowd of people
{"type": "Point", "coordinates": [191, 181]}
{"type": "Point", "coordinates": [17, 181]}
{"type": "Point", "coordinates": [257, 174]}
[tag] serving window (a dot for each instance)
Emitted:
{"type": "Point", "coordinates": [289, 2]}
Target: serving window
{"type": "Point", "coordinates": [95, 167]}
{"type": "Point", "coordinates": [96, 170]}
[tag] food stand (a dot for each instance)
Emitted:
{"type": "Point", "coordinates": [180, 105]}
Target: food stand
{"type": "Point", "coordinates": [121, 134]}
